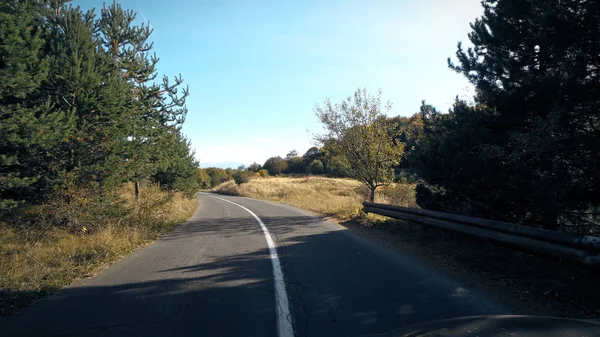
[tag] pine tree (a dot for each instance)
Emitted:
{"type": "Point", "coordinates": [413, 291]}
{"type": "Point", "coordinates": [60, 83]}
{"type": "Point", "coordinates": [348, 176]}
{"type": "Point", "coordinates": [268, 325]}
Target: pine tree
{"type": "Point", "coordinates": [181, 172]}
{"type": "Point", "coordinates": [83, 83]}
{"type": "Point", "coordinates": [80, 108]}
{"type": "Point", "coordinates": [154, 110]}
{"type": "Point", "coordinates": [535, 129]}
{"type": "Point", "coordinates": [30, 128]}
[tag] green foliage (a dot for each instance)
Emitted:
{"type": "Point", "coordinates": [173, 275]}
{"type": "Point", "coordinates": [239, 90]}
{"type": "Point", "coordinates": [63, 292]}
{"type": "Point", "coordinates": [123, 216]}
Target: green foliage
{"type": "Point", "coordinates": [217, 176]}
{"type": "Point", "coordinates": [275, 165]}
{"type": "Point", "coordinates": [316, 167]}
{"type": "Point", "coordinates": [254, 167]}
{"type": "Point", "coordinates": [180, 174]}
{"type": "Point", "coordinates": [242, 177]}
{"type": "Point", "coordinates": [84, 83]}
{"type": "Point", "coordinates": [204, 178]}
{"type": "Point", "coordinates": [310, 155]}
{"type": "Point", "coordinates": [81, 114]}
{"type": "Point", "coordinates": [527, 150]}
{"type": "Point", "coordinates": [88, 232]}
{"type": "Point", "coordinates": [399, 194]}
{"type": "Point", "coordinates": [295, 165]}
{"type": "Point", "coordinates": [263, 173]}
{"type": "Point", "coordinates": [79, 105]}
{"type": "Point", "coordinates": [291, 155]}
{"type": "Point", "coordinates": [357, 130]}
{"type": "Point", "coordinates": [334, 161]}
{"type": "Point", "coordinates": [451, 164]}
{"type": "Point", "coordinates": [29, 128]}
{"type": "Point", "coordinates": [155, 110]}
{"type": "Point", "coordinates": [409, 131]}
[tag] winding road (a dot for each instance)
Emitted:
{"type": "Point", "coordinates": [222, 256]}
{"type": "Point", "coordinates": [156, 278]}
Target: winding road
{"type": "Point", "coordinates": [244, 267]}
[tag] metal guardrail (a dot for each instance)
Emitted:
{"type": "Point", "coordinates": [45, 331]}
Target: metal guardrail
{"type": "Point", "coordinates": [584, 249]}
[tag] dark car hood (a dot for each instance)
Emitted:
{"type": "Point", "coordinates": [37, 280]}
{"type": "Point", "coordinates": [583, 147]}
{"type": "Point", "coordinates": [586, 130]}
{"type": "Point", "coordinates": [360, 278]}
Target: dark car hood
{"type": "Point", "coordinates": [500, 326]}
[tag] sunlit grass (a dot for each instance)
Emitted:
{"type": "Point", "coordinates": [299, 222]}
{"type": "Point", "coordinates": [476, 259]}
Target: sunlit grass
{"type": "Point", "coordinates": [340, 198]}
{"type": "Point", "coordinates": [32, 266]}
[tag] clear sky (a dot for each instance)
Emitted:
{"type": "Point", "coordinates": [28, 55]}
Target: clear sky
{"type": "Point", "coordinates": [256, 68]}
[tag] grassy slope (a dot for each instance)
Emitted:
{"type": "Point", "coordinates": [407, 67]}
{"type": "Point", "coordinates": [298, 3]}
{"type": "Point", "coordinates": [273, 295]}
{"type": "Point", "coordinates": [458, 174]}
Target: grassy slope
{"type": "Point", "coordinates": [340, 198]}
{"type": "Point", "coordinates": [529, 284]}
{"type": "Point", "coordinates": [32, 267]}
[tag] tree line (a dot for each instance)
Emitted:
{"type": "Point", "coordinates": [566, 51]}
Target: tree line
{"type": "Point", "coordinates": [314, 161]}
{"type": "Point", "coordinates": [525, 150]}
{"type": "Point", "coordinates": [81, 106]}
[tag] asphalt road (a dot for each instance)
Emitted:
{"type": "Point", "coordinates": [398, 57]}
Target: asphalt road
{"type": "Point", "coordinates": [214, 276]}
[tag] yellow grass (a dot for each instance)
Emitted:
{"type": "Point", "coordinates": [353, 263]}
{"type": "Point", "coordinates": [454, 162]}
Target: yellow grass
{"type": "Point", "coordinates": [341, 198]}
{"type": "Point", "coordinates": [31, 267]}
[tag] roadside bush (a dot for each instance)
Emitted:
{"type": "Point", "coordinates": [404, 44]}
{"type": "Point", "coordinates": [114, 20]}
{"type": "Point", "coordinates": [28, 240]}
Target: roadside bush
{"type": "Point", "coordinates": [364, 192]}
{"type": "Point", "coordinates": [218, 175]}
{"type": "Point", "coordinates": [406, 176]}
{"type": "Point", "coordinates": [398, 194]}
{"type": "Point", "coordinates": [242, 177]}
{"type": "Point", "coordinates": [315, 167]}
{"type": "Point", "coordinates": [275, 165]}
{"type": "Point", "coordinates": [254, 167]}
{"type": "Point", "coordinates": [295, 165]}
{"type": "Point", "coordinates": [49, 245]}
{"type": "Point", "coordinates": [228, 188]}
{"type": "Point", "coordinates": [432, 197]}
{"type": "Point", "coordinates": [205, 181]}
{"type": "Point", "coordinates": [71, 208]}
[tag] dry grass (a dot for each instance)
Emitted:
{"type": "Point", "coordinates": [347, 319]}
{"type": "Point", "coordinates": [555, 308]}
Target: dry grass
{"type": "Point", "coordinates": [340, 198]}
{"type": "Point", "coordinates": [529, 284]}
{"type": "Point", "coordinates": [36, 263]}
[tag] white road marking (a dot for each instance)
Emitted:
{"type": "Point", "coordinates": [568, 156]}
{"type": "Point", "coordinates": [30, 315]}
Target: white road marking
{"type": "Point", "coordinates": [284, 318]}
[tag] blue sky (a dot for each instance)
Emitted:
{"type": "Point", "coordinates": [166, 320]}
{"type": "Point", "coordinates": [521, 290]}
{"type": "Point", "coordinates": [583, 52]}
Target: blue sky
{"type": "Point", "coordinates": [257, 68]}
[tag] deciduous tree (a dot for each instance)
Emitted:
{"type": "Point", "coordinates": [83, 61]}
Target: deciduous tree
{"type": "Point", "coordinates": [357, 126]}
{"type": "Point", "coordinates": [275, 165]}
{"type": "Point", "coordinates": [316, 167]}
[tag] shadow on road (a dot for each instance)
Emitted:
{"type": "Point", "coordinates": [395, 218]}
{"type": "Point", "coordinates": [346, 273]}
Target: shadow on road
{"type": "Point", "coordinates": [227, 227]}
{"type": "Point", "coordinates": [501, 325]}
{"type": "Point", "coordinates": [337, 285]}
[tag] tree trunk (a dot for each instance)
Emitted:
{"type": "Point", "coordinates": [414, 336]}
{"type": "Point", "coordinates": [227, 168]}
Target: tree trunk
{"type": "Point", "coordinates": [372, 196]}
{"type": "Point", "coordinates": [137, 191]}
{"type": "Point", "coordinates": [550, 216]}
{"type": "Point", "coordinates": [549, 208]}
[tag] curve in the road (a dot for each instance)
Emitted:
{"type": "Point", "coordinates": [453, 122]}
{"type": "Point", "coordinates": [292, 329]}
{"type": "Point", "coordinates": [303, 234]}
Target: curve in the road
{"type": "Point", "coordinates": [214, 276]}
{"type": "Point", "coordinates": [284, 318]}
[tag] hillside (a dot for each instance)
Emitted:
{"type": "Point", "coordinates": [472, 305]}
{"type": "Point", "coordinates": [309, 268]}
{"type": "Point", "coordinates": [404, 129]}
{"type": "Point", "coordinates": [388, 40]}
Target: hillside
{"type": "Point", "coordinates": [531, 283]}
{"type": "Point", "coordinates": [337, 197]}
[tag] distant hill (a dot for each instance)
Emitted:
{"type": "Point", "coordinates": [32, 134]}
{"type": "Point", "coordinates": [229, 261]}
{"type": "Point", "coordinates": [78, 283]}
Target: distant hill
{"type": "Point", "coordinates": [223, 165]}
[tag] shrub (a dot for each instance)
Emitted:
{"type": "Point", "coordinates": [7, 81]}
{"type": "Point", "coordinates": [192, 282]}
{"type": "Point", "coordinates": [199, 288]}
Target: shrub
{"type": "Point", "coordinates": [227, 188]}
{"type": "Point", "coordinates": [242, 177]}
{"type": "Point", "coordinates": [263, 173]}
{"type": "Point", "coordinates": [205, 181]}
{"type": "Point", "coordinates": [399, 195]}
{"type": "Point", "coordinates": [275, 165]}
{"type": "Point", "coordinates": [254, 167]}
{"type": "Point", "coordinates": [315, 167]}
{"type": "Point", "coordinates": [295, 165]}
{"type": "Point", "coordinates": [218, 175]}
{"type": "Point", "coordinates": [76, 231]}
